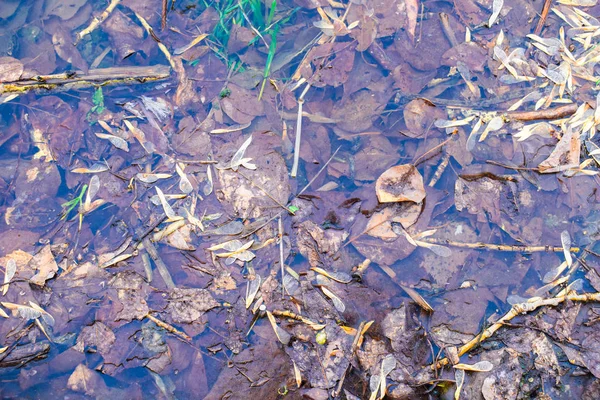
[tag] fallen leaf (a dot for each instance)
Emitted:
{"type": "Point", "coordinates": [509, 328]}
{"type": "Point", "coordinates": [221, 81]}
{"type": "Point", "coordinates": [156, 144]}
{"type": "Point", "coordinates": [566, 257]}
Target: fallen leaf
{"type": "Point", "coordinates": [10, 69]}
{"type": "Point", "coordinates": [45, 265]}
{"type": "Point", "coordinates": [400, 183]}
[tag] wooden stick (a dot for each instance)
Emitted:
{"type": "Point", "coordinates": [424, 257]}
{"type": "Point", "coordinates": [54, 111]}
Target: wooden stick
{"type": "Point", "coordinates": [94, 77]}
{"type": "Point", "coordinates": [543, 15]}
{"type": "Point", "coordinates": [549, 113]}
{"type": "Point", "coordinates": [298, 132]}
{"type": "Point", "coordinates": [97, 21]}
{"type": "Point", "coordinates": [499, 247]}
{"type": "Point", "coordinates": [521, 308]}
{"type": "Point", "coordinates": [168, 327]}
{"type": "Point", "coordinates": [163, 19]}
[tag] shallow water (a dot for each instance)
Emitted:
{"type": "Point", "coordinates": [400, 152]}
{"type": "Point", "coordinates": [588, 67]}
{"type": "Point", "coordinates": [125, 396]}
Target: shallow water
{"type": "Point", "coordinates": [110, 322]}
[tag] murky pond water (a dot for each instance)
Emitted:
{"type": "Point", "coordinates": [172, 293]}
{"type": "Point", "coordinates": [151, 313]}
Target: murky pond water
{"type": "Point", "coordinates": [299, 199]}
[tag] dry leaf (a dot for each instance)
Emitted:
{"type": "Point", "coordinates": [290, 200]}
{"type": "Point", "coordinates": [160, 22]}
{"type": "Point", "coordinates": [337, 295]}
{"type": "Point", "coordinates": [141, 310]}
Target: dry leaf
{"type": "Point", "coordinates": [45, 265]}
{"type": "Point", "coordinates": [400, 183]}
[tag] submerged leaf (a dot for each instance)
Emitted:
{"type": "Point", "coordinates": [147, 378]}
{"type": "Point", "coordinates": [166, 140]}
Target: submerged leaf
{"type": "Point", "coordinates": [9, 273]}
{"type": "Point", "coordinates": [400, 183]}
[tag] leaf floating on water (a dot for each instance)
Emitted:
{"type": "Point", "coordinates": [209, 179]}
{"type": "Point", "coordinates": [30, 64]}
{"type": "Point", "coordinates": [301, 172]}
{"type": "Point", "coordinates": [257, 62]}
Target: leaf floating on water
{"type": "Point", "coordinates": [340, 277]}
{"type": "Point", "coordinates": [230, 129]}
{"type": "Point", "coordinates": [417, 298]}
{"type": "Point", "coordinates": [235, 250]}
{"type": "Point", "coordinates": [281, 334]}
{"type": "Point", "coordinates": [195, 41]}
{"type": "Point", "coordinates": [439, 250]}
{"type": "Point", "coordinates": [297, 374]}
{"type": "Point", "coordinates": [252, 290]}
{"type": "Point", "coordinates": [481, 366]}
{"type": "Point", "coordinates": [496, 8]}
{"type": "Point", "coordinates": [230, 228]}
{"type": "Point", "coordinates": [184, 183]}
{"type": "Point", "coordinates": [555, 272]}
{"type": "Point", "coordinates": [94, 169]}
{"type": "Point", "coordinates": [565, 239]}
{"type": "Point", "coordinates": [159, 107]}
{"type": "Point", "coordinates": [400, 183]}
{"type": "Point", "coordinates": [337, 302]}
{"type": "Point", "coordinates": [208, 188]}
{"type": "Point", "coordinates": [9, 273]}
{"type": "Point", "coordinates": [116, 141]}
{"type": "Point", "coordinates": [166, 207]}
{"type": "Point", "coordinates": [459, 377]}
{"type": "Point", "coordinates": [238, 158]}
{"type": "Point", "coordinates": [495, 124]}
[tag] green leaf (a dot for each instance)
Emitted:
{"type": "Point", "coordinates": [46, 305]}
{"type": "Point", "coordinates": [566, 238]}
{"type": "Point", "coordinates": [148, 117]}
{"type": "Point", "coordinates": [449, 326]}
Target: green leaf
{"type": "Point", "coordinates": [293, 209]}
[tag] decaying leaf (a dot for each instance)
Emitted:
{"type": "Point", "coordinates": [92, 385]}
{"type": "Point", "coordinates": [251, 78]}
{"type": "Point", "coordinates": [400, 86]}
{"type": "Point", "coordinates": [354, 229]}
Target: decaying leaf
{"type": "Point", "coordinates": [116, 141]}
{"type": "Point", "coordinates": [337, 302]}
{"type": "Point", "coordinates": [496, 8]}
{"type": "Point", "coordinates": [33, 311]}
{"type": "Point", "coordinates": [459, 377]}
{"type": "Point", "coordinates": [166, 207]}
{"type": "Point", "coordinates": [252, 290]}
{"type": "Point", "coordinates": [400, 183]}
{"type": "Point", "coordinates": [94, 169]}
{"type": "Point", "coordinates": [184, 183]}
{"type": "Point", "coordinates": [9, 273]}
{"type": "Point", "coordinates": [565, 239]}
{"type": "Point", "coordinates": [417, 298]}
{"type": "Point", "coordinates": [281, 334]}
{"type": "Point", "coordinates": [235, 250]}
{"type": "Point", "coordinates": [151, 178]}
{"type": "Point", "coordinates": [378, 383]}
{"type": "Point", "coordinates": [45, 265]}
{"type": "Point", "coordinates": [481, 366]}
{"type": "Point", "coordinates": [340, 277]}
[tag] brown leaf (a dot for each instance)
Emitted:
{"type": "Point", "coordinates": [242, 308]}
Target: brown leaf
{"type": "Point", "coordinates": [188, 305]}
{"type": "Point", "coordinates": [241, 105]}
{"type": "Point", "coordinates": [365, 33]}
{"type": "Point", "coordinates": [45, 265]}
{"type": "Point", "coordinates": [356, 111]}
{"type": "Point", "coordinates": [400, 183]}
{"type": "Point", "coordinates": [63, 45]}
{"type": "Point", "coordinates": [10, 69]}
{"type": "Point", "coordinates": [412, 11]}
{"type": "Point", "coordinates": [419, 116]}
{"type": "Point", "coordinates": [565, 155]}
{"type": "Point", "coordinates": [86, 381]}
{"type": "Point", "coordinates": [64, 9]}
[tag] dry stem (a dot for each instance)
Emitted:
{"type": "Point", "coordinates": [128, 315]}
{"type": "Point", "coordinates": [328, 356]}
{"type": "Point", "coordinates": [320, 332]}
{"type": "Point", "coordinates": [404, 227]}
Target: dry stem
{"type": "Point", "coordinates": [499, 247]}
{"type": "Point", "coordinates": [521, 308]}
{"type": "Point", "coordinates": [97, 21]}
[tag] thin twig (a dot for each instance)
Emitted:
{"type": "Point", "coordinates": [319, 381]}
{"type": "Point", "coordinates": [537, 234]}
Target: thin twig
{"type": "Point", "coordinates": [163, 17]}
{"type": "Point", "coordinates": [280, 225]}
{"type": "Point", "coordinates": [543, 15]}
{"type": "Point", "coordinates": [549, 113]}
{"type": "Point", "coordinates": [94, 78]}
{"type": "Point", "coordinates": [97, 21]}
{"type": "Point", "coordinates": [161, 46]}
{"type": "Point", "coordinates": [517, 309]}
{"type": "Point", "coordinates": [499, 247]}
{"type": "Point", "coordinates": [298, 132]}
